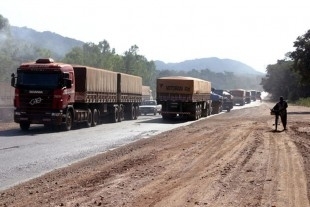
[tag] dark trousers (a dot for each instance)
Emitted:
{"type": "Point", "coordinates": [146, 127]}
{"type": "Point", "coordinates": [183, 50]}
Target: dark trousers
{"type": "Point", "coordinates": [284, 119]}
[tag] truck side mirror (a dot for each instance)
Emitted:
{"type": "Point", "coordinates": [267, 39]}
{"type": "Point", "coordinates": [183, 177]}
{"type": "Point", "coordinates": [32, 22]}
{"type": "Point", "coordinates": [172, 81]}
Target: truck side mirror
{"type": "Point", "coordinates": [13, 80]}
{"type": "Point", "coordinates": [67, 83]}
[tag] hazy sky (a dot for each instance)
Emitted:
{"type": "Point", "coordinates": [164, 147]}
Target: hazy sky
{"type": "Point", "coordinates": [255, 32]}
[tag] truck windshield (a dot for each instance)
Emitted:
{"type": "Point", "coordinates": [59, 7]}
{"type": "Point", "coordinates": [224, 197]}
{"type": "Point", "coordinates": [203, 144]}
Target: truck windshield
{"type": "Point", "coordinates": [39, 80]}
{"type": "Point", "coordinates": [149, 103]}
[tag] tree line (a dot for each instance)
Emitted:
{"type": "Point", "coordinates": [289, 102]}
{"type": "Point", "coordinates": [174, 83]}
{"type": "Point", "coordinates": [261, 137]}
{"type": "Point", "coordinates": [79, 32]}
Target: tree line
{"type": "Point", "coordinates": [102, 55]}
{"type": "Point", "coordinates": [290, 77]}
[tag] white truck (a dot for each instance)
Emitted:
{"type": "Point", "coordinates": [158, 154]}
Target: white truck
{"type": "Point", "coordinates": [150, 107]}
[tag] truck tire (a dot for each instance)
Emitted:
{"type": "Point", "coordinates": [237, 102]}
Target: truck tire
{"type": "Point", "coordinates": [197, 112]}
{"type": "Point", "coordinates": [209, 111]}
{"type": "Point", "coordinates": [24, 126]}
{"type": "Point", "coordinates": [136, 112]}
{"type": "Point", "coordinates": [121, 113]}
{"type": "Point", "coordinates": [95, 116]}
{"type": "Point", "coordinates": [200, 111]}
{"type": "Point", "coordinates": [215, 110]}
{"type": "Point", "coordinates": [67, 125]}
{"type": "Point", "coordinates": [204, 113]}
{"type": "Point", "coordinates": [165, 117]}
{"type": "Point", "coordinates": [114, 115]}
{"type": "Point", "coordinates": [133, 113]}
{"type": "Point", "coordinates": [89, 119]}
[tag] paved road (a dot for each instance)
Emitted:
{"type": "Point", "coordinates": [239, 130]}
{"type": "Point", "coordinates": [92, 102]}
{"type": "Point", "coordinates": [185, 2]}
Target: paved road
{"type": "Point", "coordinates": [27, 155]}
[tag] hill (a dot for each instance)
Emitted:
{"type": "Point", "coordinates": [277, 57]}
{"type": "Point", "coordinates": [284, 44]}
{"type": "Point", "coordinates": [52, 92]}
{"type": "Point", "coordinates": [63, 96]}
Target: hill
{"type": "Point", "coordinates": [213, 64]}
{"type": "Point", "coordinates": [60, 45]}
{"type": "Point", "coordinates": [56, 43]}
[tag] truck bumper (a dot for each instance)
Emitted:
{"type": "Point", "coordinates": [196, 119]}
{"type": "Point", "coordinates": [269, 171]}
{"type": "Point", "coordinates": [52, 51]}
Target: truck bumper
{"type": "Point", "coordinates": [51, 117]}
{"type": "Point", "coordinates": [148, 110]}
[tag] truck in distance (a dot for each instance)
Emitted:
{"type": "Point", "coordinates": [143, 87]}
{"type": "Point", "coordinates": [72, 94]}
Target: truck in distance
{"type": "Point", "coordinates": [217, 103]}
{"type": "Point", "coordinates": [146, 93]}
{"type": "Point", "coordinates": [247, 97]}
{"type": "Point", "coordinates": [239, 96]}
{"type": "Point", "coordinates": [183, 97]}
{"type": "Point", "coordinates": [259, 95]}
{"type": "Point", "coordinates": [253, 95]}
{"type": "Point", "coordinates": [228, 102]}
{"type": "Point", "coordinates": [150, 107]}
{"type": "Point", "coordinates": [60, 95]}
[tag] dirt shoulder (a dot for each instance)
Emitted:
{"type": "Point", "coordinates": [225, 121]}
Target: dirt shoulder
{"type": "Point", "coordinates": [233, 159]}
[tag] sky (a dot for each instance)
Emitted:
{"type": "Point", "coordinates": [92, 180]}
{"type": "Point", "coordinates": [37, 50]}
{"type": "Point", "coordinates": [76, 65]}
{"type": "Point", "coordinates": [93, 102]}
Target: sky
{"type": "Point", "coordinates": [254, 32]}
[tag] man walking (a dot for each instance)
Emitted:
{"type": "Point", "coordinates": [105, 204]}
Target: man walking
{"type": "Point", "coordinates": [280, 110]}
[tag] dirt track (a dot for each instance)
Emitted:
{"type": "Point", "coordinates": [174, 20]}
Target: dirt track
{"type": "Point", "coordinates": [234, 159]}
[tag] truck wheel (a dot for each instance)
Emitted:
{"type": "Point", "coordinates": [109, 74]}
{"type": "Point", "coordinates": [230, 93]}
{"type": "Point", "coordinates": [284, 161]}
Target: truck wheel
{"type": "Point", "coordinates": [196, 112]}
{"type": "Point", "coordinates": [216, 110]}
{"type": "Point", "coordinates": [68, 122]}
{"type": "Point", "coordinates": [133, 113]}
{"type": "Point", "coordinates": [95, 119]}
{"type": "Point", "coordinates": [209, 110]}
{"type": "Point", "coordinates": [89, 118]}
{"type": "Point", "coordinates": [200, 111]}
{"type": "Point", "coordinates": [24, 126]}
{"type": "Point", "coordinates": [115, 115]}
{"type": "Point", "coordinates": [136, 112]}
{"type": "Point", "coordinates": [165, 117]}
{"type": "Point", "coordinates": [204, 112]}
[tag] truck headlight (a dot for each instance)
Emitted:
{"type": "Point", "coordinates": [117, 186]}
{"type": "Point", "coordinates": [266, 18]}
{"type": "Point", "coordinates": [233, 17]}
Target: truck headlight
{"type": "Point", "coordinates": [56, 114]}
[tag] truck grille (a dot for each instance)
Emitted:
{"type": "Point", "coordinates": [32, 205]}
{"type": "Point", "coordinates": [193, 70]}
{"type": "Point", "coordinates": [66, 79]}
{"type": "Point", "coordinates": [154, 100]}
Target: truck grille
{"type": "Point", "coordinates": [35, 101]}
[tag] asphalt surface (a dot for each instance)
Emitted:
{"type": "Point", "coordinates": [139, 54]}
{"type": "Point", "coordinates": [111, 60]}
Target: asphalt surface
{"type": "Point", "coordinates": [25, 155]}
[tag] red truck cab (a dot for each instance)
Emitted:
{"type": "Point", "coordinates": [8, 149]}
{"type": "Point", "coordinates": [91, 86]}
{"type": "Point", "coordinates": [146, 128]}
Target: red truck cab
{"type": "Point", "coordinates": [43, 90]}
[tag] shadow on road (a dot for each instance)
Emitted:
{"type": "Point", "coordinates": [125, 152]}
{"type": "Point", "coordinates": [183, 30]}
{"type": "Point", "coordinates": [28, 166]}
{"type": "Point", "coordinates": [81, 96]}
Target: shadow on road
{"type": "Point", "coordinates": [160, 120]}
{"type": "Point", "coordinates": [34, 130]}
{"type": "Point", "coordinates": [277, 131]}
{"type": "Point", "coordinates": [299, 113]}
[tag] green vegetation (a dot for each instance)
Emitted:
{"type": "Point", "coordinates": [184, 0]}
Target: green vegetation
{"type": "Point", "coordinates": [303, 102]}
{"type": "Point", "coordinates": [102, 56]}
{"type": "Point", "coordinates": [290, 77]}
{"type": "Point", "coordinates": [226, 80]}
{"type": "Point", "coordinates": [13, 52]}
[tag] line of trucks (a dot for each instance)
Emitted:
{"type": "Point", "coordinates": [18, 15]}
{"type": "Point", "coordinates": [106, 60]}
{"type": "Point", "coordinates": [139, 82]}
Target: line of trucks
{"type": "Point", "coordinates": [60, 95]}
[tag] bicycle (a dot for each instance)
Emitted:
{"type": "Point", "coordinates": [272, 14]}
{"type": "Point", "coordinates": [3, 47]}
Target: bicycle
{"type": "Point", "coordinates": [276, 114]}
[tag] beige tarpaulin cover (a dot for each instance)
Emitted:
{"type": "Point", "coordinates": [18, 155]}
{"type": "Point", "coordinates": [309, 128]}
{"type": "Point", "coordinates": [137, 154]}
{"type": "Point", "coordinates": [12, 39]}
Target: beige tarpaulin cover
{"type": "Point", "coordinates": [183, 85]}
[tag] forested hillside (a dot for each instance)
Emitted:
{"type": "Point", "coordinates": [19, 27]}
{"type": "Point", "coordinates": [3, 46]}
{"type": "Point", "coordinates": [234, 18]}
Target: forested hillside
{"type": "Point", "coordinates": [213, 64]}
{"type": "Point", "coordinates": [289, 77]}
{"type": "Point", "coordinates": [24, 44]}
{"type": "Point", "coordinates": [57, 44]}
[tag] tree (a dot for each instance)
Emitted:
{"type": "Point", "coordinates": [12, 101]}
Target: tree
{"type": "Point", "coordinates": [75, 56]}
{"type": "Point", "coordinates": [107, 56]}
{"type": "Point", "coordinates": [130, 58]}
{"type": "Point", "coordinates": [99, 56]}
{"type": "Point", "coordinates": [301, 57]}
{"type": "Point", "coordinates": [4, 23]}
{"type": "Point", "coordinates": [280, 80]}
